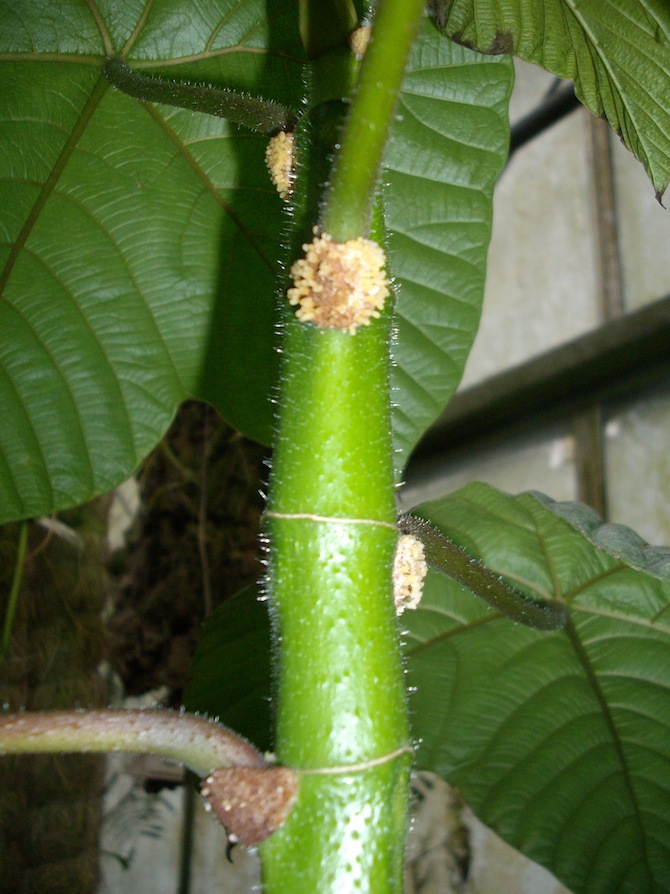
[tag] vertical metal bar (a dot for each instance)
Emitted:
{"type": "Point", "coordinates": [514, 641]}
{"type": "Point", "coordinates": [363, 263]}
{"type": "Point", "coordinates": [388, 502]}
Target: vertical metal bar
{"type": "Point", "coordinates": [611, 295]}
{"type": "Point", "coordinates": [186, 849]}
{"type": "Point", "coordinates": [587, 423]}
{"type": "Point", "coordinates": [589, 459]}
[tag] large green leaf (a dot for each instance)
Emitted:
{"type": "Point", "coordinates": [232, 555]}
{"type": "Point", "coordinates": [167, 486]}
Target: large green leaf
{"type": "Point", "coordinates": [446, 151]}
{"type": "Point", "coordinates": [139, 243]}
{"type": "Point", "coordinates": [559, 741]}
{"type": "Point", "coordinates": [616, 51]}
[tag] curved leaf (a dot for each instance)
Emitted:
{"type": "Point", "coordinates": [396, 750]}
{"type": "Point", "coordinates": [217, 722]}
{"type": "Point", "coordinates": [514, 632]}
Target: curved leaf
{"type": "Point", "coordinates": [139, 244]}
{"type": "Point", "coordinates": [447, 148]}
{"type": "Point", "coordinates": [616, 51]}
{"type": "Point", "coordinates": [560, 741]}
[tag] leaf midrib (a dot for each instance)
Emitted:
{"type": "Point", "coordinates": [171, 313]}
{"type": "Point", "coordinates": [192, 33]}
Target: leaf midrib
{"type": "Point", "coordinates": [592, 679]}
{"type": "Point", "coordinates": [99, 20]}
{"type": "Point", "coordinates": [47, 189]}
{"type": "Point", "coordinates": [184, 153]}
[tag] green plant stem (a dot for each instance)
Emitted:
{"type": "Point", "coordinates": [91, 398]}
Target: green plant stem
{"type": "Point", "coordinates": [202, 745]}
{"type": "Point", "coordinates": [332, 537]}
{"type": "Point", "coordinates": [15, 589]}
{"type": "Point", "coordinates": [353, 186]}
{"type": "Point", "coordinates": [331, 528]}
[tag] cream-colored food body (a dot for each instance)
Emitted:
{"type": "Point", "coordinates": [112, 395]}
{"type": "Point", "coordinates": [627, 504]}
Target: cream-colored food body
{"type": "Point", "coordinates": [409, 570]}
{"type": "Point", "coordinates": [339, 285]}
{"type": "Point", "coordinates": [279, 157]}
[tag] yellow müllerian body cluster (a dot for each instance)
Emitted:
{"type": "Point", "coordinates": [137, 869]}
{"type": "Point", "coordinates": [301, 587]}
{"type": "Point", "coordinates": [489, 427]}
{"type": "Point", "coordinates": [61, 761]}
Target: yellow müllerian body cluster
{"type": "Point", "coordinates": [409, 570]}
{"type": "Point", "coordinates": [339, 285]}
{"type": "Point", "coordinates": [279, 157]}
{"type": "Point", "coordinates": [359, 39]}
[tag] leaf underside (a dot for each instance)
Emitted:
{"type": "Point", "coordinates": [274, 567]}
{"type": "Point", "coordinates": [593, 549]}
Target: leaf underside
{"type": "Point", "coordinates": [616, 51]}
{"type": "Point", "coordinates": [447, 149]}
{"type": "Point", "coordinates": [141, 244]}
{"type": "Point", "coordinates": [559, 741]}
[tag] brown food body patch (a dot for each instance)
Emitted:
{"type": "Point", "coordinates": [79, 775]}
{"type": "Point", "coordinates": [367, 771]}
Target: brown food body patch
{"type": "Point", "coordinates": [251, 802]}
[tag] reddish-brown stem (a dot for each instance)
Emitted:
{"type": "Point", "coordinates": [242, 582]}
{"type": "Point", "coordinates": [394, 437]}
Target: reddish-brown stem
{"type": "Point", "coordinates": [200, 744]}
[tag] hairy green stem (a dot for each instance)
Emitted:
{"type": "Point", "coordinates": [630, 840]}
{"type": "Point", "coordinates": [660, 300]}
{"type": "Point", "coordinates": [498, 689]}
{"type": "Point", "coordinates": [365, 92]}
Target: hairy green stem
{"type": "Point", "coordinates": [202, 745]}
{"type": "Point", "coordinates": [332, 537]}
{"type": "Point", "coordinates": [331, 529]}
